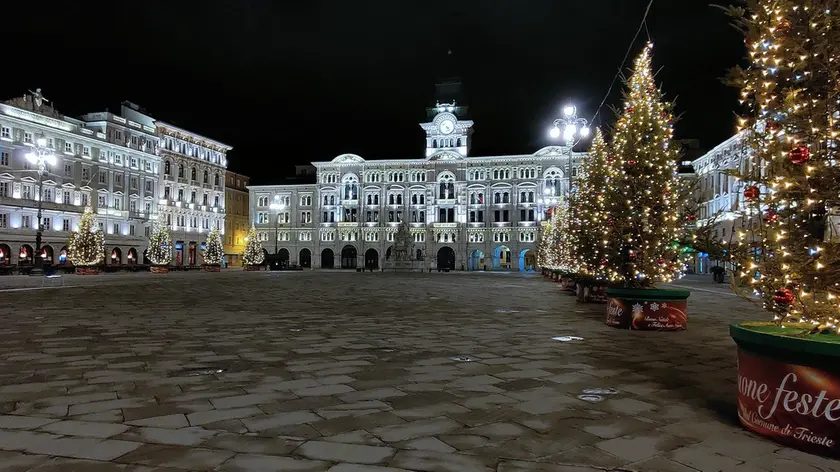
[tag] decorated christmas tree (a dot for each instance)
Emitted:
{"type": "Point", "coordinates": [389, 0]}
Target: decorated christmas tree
{"type": "Point", "coordinates": [253, 249]}
{"type": "Point", "coordinates": [553, 250]}
{"type": "Point", "coordinates": [788, 243]}
{"type": "Point", "coordinates": [160, 243]}
{"type": "Point", "coordinates": [87, 245]}
{"type": "Point", "coordinates": [641, 203]}
{"type": "Point", "coordinates": [215, 252]}
{"type": "Point", "coordinates": [589, 231]}
{"type": "Point", "coordinates": [546, 246]}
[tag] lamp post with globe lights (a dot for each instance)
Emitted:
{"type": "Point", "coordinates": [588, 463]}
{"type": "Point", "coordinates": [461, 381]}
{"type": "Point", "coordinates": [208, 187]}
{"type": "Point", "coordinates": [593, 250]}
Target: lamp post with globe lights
{"type": "Point", "coordinates": [40, 155]}
{"type": "Point", "coordinates": [277, 207]}
{"type": "Point", "coordinates": [573, 129]}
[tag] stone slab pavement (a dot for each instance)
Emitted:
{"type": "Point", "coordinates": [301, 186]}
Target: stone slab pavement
{"type": "Point", "coordinates": [342, 372]}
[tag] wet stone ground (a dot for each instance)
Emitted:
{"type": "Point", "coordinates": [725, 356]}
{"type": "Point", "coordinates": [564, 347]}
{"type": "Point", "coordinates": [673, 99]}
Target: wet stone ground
{"type": "Point", "coordinates": [315, 371]}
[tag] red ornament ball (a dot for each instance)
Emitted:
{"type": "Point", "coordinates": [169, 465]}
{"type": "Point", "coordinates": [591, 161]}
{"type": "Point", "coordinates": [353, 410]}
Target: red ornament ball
{"type": "Point", "coordinates": [660, 261]}
{"type": "Point", "coordinates": [631, 162]}
{"type": "Point", "coordinates": [690, 217]}
{"type": "Point", "coordinates": [771, 216]}
{"type": "Point", "coordinates": [799, 155]}
{"type": "Point", "coordinates": [629, 109]}
{"type": "Point", "coordinates": [751, 193]}
{"type": "Point", "coordinates": [784, 297]}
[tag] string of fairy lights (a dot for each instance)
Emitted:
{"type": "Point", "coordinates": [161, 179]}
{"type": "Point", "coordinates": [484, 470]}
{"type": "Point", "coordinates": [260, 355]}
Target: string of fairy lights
{"type": "Point", "coordinates": [787, 247]}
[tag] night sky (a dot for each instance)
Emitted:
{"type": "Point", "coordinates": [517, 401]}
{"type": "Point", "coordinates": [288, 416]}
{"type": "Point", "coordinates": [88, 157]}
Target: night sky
{"type": "Point", "coordinates": [287, 82]}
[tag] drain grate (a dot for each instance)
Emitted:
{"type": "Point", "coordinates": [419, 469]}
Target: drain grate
{"type": "Point", "coordinates": [565, 339]}
{"type": "Point", "coordinates": [462, 358]}
{"type": "Point", "coordinates": [591, 398]}
{"type": "Point", "coordinates": [196, 372]}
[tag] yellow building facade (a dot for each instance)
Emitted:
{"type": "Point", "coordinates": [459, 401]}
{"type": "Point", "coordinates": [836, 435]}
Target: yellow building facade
{"type": "Point", "coordinates": [236, 217]}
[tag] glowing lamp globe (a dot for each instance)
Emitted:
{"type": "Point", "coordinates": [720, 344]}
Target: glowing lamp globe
{"type": "Point", "coordinates": [584, 131]}
{"type": "Point", "coordinates": [569, 110]}
{"type": "Point", "coordinates": [555, 132]}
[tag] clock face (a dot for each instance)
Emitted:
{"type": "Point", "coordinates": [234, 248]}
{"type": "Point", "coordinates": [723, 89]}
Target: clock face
{"type": "Point", "coordinates": [446, 126]}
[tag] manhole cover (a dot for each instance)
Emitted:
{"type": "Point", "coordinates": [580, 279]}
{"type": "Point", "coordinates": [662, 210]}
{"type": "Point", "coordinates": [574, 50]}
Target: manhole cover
{"type": "Point", "coordinates": [591, 398]}
{"type": "Point", "coordinates": [462, 358]}
{"type": "Point", "coordinates": [601, 391]}
{"type": "Point", "coordinates": [196, 372]}
{"type": "Point", "coordinates": [566, 339]}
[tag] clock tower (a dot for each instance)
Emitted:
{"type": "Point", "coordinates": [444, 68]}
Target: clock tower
{"type": "Point", "coordinates": [445, 132]}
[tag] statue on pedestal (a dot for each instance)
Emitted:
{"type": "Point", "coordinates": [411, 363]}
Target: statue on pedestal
{"type": "Point", "coordinates": [403, 248]}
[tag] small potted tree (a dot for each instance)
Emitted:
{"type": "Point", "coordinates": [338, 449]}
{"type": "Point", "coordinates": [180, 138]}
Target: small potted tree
{"type": "Point", "coordinates": [788, 250]}
{"type": "Point", "coordinates": [160, 247]}
{"type": "Point", "coordinates": [643, 210]}
{"type": "Point", "coordinates": [254, 255]}
{"type": "Point", "coordinates": [215, 252]}
{"type": "Point", "coordinates": [86, 248]}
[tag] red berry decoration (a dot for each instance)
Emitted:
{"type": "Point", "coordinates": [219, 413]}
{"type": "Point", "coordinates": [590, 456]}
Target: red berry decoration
{"type": "Point", "coordinates": [771, 216]}
{"type": "Point", "coordinates": [631, 162]}
{"type": "Point", "coordinates": [690, 217]}
{"type": "Point", "coordinates": [751, 193]}
{"type": "Point", "coordinates": [629, 109]}
{"type": "Point", "coordinates": [784, 297]}
{"type": "Point", "coordinates": [799, 155]}
{"type": "Point", "coordinates": [660, 261]}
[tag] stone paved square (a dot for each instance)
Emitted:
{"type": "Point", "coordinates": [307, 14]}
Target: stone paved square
{"type": "Point", "coordinates": [346, 371]}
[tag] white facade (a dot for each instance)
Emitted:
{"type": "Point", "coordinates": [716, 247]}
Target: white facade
{"type": "Point", "coordinates": [102, 158]}
{"type": "Point", "coordinates": [719, 195]}
{"type": "Point", "coordinates": [192, 196]}
{"type": "Point", "coordinates": [464, 212]}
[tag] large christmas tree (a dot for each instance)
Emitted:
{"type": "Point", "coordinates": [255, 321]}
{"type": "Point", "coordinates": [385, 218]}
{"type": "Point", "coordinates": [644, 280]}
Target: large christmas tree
{"type": "Point", "coordinates": [160, 243]}
{"type": "Point", "coordinates": [215, 251]}
{"type": "Point", "coordinates": [589, 231]}
{"type": "Point", "coordinates": [86, 245]}
{"type": "Point", "coordinates": [642, 199]}
{"type": "Point", "coordinates": [788, 245]}
{"type": "Point", "coordinates": [253, 249]}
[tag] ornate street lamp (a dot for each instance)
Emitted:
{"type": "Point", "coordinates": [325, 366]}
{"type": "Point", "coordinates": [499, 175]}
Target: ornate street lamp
{"type": "Point", "coordinates": [277, 207]}
{"type": "Point", "coordinates": [40, 155]}
{"type": "Point", "coordinates": [573, 130]}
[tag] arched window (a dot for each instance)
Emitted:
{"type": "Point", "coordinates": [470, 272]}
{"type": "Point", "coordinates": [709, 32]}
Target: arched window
{"type": "Point", "coordinates": [459, 142]}
{"type": "Point", "coordinates": [192, 174]}
{"type": "Point", "coordinates": [369, 199]}
{"type": "Point", "coordinates": [206, 177]}
{"type": "Point", "coordinates": [217, 179]}
{"type": "Point", "coordinates": [391, 199]}
{"type": "Point", "coordinates": [414, 199]}
{"type": "Point", "coordinates": [434, 143]}
{"type": "Point", "coordinates": [422, 199]}
{"type": "Point", "coordinates": [326, 200]}
{"type": "Point", "coordinates": [181, 171]}
{"type": "Point", "coordinates": [167, 167]}
{"type": "Point", "coordinates": [332, 199]}
{"type": "Point", "coordinates": [497, 197]}
{"type": "Point", "coordinates": [376, 199]}
{"type": "Point", "coordinates": [523, 197]}
{"type": "Point", "coordinates": [399, 198]}
{"type": "Point", "coordinates": [505, 197]}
